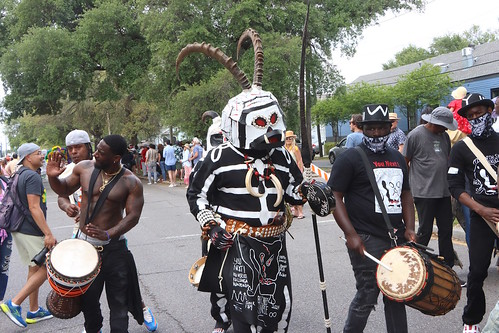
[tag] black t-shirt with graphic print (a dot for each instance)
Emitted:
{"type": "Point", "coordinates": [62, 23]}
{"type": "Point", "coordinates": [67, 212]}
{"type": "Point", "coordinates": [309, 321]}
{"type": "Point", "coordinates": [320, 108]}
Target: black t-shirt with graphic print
{"type": "Point", "coordinates": [483, 187]}
{"type": "Point", "coordinates": [349, 177]}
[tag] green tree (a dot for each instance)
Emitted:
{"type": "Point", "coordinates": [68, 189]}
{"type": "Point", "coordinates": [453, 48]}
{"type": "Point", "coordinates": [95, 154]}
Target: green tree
{"type": "Point", "coordinates": [448, 43]}
{"type": "Point", "coordinates": [114, 57]}
{"type": "Point", "coordinates": [442, 45]}
{"type": "Point", "coordinates": [408, 55]}
{"type": "Point", "coordinates": [40, 70]}
{"type": "Point", "coordinates": [476, 36]}
{"type": "Point", "coordinates": [423, 86]}
{"type": "Point", "coordinates": [349, 100]}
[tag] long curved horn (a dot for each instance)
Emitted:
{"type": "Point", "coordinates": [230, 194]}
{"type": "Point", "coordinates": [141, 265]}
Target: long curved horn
{"type": "Point", "coordinates": [218, 55]}
{"type": "Point", "coordinates": [211, 114]}
{"type": "Point", "coordinates": [257, 46]}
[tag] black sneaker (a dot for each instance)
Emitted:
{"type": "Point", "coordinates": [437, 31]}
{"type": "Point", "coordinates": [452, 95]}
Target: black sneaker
{"type": "Point", "coordinates": [463, 283]}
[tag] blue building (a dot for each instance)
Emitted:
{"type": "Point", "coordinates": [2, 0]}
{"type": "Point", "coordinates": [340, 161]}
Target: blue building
{"type": "Point", "coordinates": [475, 68]}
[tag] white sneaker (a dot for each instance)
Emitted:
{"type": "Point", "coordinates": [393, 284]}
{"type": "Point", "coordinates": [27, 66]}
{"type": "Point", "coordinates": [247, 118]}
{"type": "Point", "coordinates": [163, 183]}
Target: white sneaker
{"type": "Point", "coordinates": [471, 329]}
{"type": "Point", "coordinates": [148, 183]}
{"type": "Point", "coordinates": [171, 185]}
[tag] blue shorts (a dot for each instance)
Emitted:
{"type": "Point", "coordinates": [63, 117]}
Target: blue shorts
{"type": "Point", "coordinates": [170, 167]}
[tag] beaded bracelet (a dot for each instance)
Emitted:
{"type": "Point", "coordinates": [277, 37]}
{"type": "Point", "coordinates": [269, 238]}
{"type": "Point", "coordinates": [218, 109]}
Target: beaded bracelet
{"type": "Point", "coordinates": [108, 238]}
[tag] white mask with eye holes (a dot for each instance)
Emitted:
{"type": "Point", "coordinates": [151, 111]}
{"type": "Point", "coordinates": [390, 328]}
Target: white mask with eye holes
{"type": "Point", "coordinates": [254, 120]}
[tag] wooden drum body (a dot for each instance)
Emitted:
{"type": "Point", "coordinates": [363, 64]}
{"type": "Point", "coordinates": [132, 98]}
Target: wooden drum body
{"type": "Point", "coordinates": [418, 279]}
{"type": "Point", "coordinates": [72, 266]}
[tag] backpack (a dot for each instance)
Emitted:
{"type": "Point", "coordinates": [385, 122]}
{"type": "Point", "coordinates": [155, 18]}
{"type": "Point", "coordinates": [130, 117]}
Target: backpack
{"type": "Point", "coordinates": [12, 211]}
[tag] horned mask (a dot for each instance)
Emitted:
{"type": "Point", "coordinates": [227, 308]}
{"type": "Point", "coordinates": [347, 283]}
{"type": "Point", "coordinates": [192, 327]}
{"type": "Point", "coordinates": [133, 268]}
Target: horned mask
{"type": "Point", "coordinates": [253, 119]}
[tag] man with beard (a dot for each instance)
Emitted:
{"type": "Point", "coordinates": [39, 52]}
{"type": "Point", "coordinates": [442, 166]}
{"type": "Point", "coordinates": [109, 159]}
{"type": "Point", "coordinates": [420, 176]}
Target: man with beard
{"type": "Point", "coordinates": [106, 229]}
{"type": "Point", "coordinates": [482, 199]}
{"type": "Point", "coordinates": [361, 219]}
{"type": "Point", "coordinates": [79, 149]}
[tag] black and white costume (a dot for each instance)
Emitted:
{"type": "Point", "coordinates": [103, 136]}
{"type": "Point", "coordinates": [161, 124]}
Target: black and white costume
{"type": "Point", "coordinates": [239, 194]}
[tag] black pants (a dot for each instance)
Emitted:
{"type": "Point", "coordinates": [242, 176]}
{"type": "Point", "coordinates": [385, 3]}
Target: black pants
{"type": "Point", "coordinates": [481, 245]}
{"type": "Point", "coordinates": [114, 274]}
{"type": "Point", "coordinates": [441, 210]}
{"type": "Point", "coordinates": [219, 305]}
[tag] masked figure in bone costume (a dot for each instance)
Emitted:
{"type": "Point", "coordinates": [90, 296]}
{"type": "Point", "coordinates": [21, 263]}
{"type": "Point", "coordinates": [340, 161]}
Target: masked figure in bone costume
{"type": "Point", "coordinates": [238, 196]}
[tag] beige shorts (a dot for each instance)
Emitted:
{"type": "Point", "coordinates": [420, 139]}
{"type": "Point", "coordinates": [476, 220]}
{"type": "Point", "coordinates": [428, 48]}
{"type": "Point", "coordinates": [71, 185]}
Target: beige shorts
{"type": "Point", "coordinates": [28, 246]}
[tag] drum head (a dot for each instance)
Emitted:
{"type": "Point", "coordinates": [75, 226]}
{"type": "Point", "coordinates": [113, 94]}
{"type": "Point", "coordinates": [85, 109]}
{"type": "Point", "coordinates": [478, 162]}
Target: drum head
{"type": "Point", "coordinates": [74, 258]}
{"type": "Point", "coordinates": [196, 271]}
{"type": "Point", "coordinates": [408, 277]}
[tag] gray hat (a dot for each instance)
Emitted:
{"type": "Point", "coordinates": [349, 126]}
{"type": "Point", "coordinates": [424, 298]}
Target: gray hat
{"type": "Point", "coordinates": [77, 137]}
{"type": "Point", "coordinates": [25, 150]}
{"type": "Point", "coordinates": [441, 116]}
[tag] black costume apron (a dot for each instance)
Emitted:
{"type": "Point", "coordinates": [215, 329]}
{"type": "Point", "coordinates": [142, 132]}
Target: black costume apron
{"type": "Point", "coordinates": [255, 276]}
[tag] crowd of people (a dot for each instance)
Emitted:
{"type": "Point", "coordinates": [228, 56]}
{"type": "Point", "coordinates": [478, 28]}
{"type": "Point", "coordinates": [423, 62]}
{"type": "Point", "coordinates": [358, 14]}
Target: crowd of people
{"type": "Point", "coordinates": [165, 162]}
{"type": "Point", "coordinates": [239, 191]}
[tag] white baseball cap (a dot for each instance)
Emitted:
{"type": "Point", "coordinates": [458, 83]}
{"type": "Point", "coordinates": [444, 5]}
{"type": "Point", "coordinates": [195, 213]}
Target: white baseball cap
{"type": "Point", "coordinates": [77, 137]}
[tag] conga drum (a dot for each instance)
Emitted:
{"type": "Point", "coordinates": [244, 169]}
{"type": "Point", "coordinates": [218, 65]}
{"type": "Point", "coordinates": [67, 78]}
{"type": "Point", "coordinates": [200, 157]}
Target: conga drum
{"type": "Point", "coordinates": [420, 280]}
{"type": "Point", "coordinates": [72, 266]}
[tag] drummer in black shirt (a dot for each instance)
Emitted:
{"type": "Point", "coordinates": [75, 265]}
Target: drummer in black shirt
{"type": "Point", "coordinates": [360, 217]}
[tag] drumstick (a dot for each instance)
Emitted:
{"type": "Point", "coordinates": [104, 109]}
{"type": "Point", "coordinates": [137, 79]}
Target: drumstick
{"type": "Point", "coordinates": [367, 254]}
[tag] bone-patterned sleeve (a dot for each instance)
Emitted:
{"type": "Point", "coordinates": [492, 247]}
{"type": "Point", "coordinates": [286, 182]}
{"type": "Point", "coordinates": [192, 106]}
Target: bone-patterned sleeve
{"type": "Point", "coordinates": [218, 185]}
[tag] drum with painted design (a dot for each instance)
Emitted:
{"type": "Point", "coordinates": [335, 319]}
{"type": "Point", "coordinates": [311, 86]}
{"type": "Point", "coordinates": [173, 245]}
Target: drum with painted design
{"type": "Point", "coordinates": [420, 280]}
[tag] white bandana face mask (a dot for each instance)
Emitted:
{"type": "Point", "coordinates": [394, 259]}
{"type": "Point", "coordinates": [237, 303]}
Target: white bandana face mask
{"type": "Point", "coordinates": [481, 127]}
{"type": "Point", "coordinates": [376, 145]}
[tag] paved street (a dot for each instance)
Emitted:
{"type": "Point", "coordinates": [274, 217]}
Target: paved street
{"type": "Point", "coordinates": [166, 243]}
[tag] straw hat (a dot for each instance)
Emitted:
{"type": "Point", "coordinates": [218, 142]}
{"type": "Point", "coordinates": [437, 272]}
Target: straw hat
{"type": "Point", "coordinates": [393, 116]}
{"type": "Point", "coordinates": [290, 134]}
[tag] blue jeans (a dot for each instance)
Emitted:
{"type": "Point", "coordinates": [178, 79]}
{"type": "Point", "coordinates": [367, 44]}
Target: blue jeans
{"type": "Point", "coordinates": [162, 166]}
{"type": "Point", "coordinates": [367, 291]}
{"type": "Point", "coordinates": [151, 173]}
{"type": "Point", "coordinates": [5, 251]}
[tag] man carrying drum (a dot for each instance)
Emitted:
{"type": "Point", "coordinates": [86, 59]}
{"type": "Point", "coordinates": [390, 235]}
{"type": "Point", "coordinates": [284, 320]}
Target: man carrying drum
{"type": "Point", "coordinates": [79, 149]}
{"type": "Point", "coordinates": [33, 235]}
{"type": "Point", "coordinates": [106, 229]}
{"type": "Point", "coordinates": [361, 219]}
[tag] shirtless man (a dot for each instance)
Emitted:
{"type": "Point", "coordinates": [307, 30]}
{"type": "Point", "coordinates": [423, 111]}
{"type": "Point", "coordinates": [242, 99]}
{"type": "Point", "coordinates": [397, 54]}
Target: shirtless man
{"type": "Point", "coordinates": [106, 229]}
{"type": "Point", "coordinates": [80, 149]}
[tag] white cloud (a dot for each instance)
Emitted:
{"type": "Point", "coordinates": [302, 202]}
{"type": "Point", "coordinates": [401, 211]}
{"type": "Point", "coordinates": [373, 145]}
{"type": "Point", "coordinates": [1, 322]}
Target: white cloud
{"type": "Point", "coordinates": [394, 32]}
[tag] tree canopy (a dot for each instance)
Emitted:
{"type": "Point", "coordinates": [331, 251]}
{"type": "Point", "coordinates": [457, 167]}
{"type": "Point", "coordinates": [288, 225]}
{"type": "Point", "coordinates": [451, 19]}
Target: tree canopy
{"type": "Point", "coordinates": [113, 61]}
{"type": "Point", "coordinates": [442, 45]}
{"type": "Point", "coordinates": [423, 86]}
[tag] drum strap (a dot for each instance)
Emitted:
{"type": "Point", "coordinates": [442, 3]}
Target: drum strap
{"type": "Point", "coordinates": [102, 196]}
{"type": "Point", "coordinates": [374, 185]}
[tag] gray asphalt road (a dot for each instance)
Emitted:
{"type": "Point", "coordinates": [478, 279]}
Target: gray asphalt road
{"type": "Point", "coordinates": [166, 242]}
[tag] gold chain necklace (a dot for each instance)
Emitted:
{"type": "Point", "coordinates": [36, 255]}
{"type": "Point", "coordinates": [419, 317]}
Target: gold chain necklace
{"type": "Point", "coordinates": [106, 182]}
